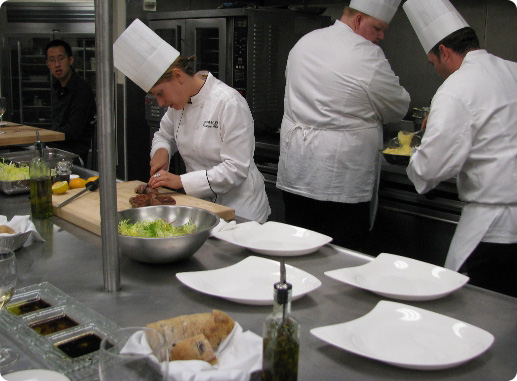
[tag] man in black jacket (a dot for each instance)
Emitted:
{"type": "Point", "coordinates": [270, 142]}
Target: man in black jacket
{"type": "Point", "coordinates": [73, 102]}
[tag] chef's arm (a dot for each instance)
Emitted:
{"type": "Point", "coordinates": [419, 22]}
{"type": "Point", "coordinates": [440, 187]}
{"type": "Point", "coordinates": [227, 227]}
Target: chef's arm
{"type": "Point", "coordinates": [445, 146]}
{"type": "Point", "coordinates": [237, 147]}
{"type": "Point", "coordinates": [159, 161]}
{"type": "Point", "coordinates": [163, 140]}
{"type": "Point", "coordinates": [389, 99]}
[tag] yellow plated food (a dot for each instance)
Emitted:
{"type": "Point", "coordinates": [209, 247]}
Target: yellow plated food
{"type": "Point", "coordinates": [404, 139]}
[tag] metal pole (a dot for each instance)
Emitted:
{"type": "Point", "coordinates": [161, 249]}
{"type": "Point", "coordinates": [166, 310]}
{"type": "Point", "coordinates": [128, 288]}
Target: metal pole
{"type": "Point", "coordinates": [106, 142]}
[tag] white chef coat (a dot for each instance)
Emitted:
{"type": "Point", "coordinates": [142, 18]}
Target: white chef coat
{"type": "Point", "coordinates": [472, 134]}
{"type": "Point", "coordinates": [214, 135]}
{"type": "Point", "coordinates": [339, 90]}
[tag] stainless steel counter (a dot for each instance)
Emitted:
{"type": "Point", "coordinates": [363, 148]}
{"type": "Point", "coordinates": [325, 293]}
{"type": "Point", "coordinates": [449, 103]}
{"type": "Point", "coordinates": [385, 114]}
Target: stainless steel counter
{"type": "Point", "coordinates": [71, 260]}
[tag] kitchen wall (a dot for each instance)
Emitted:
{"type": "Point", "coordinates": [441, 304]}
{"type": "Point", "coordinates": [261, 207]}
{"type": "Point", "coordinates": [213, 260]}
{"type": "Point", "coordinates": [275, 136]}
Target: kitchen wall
{"type": "Point", "coordinates": [494, 22]}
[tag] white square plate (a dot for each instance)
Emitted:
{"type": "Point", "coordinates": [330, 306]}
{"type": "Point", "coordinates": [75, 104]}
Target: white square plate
{"type": "Point", "coordinates": [401, 278]}
{"type": "Point", "coordinates": [249, 281]}
{"type": "Point", "coordinates": [274, 238]}
{"type": "Point", "coordinates": [408, 337]}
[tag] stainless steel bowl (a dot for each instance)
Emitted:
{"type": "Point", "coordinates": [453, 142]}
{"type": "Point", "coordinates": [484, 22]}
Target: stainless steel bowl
{"type": "Point", "coordinates": [171, 249]}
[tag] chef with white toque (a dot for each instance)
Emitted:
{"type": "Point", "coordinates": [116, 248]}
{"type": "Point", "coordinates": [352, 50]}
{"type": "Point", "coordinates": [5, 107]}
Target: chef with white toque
{"type": "Point", "coordinates": [339, 91]}
{"type": "Point", "coordinates": [471, 134]}
{"type": "Point", "coordinates": [208, 122]}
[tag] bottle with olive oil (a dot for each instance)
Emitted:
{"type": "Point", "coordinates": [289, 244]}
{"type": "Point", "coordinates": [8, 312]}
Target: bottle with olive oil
{"type": "Point", "coordinates": [40, 182]}
{"type": "Point", "coordinates": [281, 336]}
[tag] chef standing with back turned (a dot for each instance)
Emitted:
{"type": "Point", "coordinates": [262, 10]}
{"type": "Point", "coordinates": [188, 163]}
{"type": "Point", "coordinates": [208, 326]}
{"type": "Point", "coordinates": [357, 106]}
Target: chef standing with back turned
{"type": "Point", "coordinates": [339, 91]}
{"type": "Point", "coordinates": [471, 133]}
{"type": "Point", "coordinates": [208, 122]}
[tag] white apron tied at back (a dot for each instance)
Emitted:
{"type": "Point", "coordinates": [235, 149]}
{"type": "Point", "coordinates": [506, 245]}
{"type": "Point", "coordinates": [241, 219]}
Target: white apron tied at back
{"type": "Point", "coordinates": [306, 129]}
{"type": "Point", "coordinates": [474, 223]}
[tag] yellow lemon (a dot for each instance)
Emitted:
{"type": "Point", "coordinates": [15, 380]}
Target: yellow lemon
{"type": "Point", "coordinates": [93, 178]}
{"type": "Point", "coordinates": [77, 183]}
{"type": "Point", "coordinates": [60, 187]}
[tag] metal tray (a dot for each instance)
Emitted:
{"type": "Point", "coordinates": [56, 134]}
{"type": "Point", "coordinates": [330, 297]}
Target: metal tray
{"type": "Point", "coordinates": [44, 347]}
{"type": "Point", "coordinates": [54, 155]}
{"type": "Point", "coordinates": [15, 187]}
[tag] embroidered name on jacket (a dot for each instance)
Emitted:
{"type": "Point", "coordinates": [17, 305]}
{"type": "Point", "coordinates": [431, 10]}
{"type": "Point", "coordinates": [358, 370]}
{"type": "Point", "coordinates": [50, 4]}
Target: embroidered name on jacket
{"type": "Point", "coordinates": [211, 124]}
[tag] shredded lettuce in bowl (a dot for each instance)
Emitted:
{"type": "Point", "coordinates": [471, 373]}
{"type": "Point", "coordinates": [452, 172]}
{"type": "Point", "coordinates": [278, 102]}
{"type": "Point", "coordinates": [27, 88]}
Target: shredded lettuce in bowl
{"type": "Point", "coordinates": [11, 172]}
{"type": "Point", "coordinates": [155, 229]}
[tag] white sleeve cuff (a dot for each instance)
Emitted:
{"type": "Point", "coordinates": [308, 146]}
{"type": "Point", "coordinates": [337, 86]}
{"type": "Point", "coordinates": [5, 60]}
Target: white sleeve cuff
{"type": "Point", "coordinates": [196, 184]}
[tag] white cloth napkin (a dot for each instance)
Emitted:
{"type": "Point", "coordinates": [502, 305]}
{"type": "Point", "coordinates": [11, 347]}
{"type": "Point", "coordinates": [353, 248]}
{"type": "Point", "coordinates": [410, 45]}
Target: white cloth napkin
{"type": "Point", "coordinates": [238, 356]}
{"type": "Point", "coordinates": [22, 224]}
{"type": "Point", "coordinates": [223, 225]}
{"type": "Point", "coordinates": [226, 226]}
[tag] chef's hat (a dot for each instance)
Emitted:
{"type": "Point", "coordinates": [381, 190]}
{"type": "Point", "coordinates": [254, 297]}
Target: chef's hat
{"type": "Point", "coordinates": [142, 55]}
{"type": "Point", "coordinates": [383, 10]}
{"type": "Point", "coordinates": [433, 20]}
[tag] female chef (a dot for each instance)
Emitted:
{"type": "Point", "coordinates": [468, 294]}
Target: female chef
{"type": "Point", "coordinates": [208, 122]}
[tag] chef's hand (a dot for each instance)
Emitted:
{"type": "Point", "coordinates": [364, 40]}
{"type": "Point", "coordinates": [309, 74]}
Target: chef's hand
{"type": "Point", "coordinates": [165, 179]}
{"type": "Point", "coordinates": [160, 161]}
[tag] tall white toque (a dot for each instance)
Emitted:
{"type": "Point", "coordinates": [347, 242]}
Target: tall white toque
{"type": "Point", "coordinates": [433, 20]}
{"type": "Point", "coordinates": [142, 55]}
{"type": "Point", "coordinates": [383, 10]}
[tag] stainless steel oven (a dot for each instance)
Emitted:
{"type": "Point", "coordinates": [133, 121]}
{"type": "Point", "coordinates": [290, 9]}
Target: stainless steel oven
{"type": "Point", "coordinates": [245, 48]}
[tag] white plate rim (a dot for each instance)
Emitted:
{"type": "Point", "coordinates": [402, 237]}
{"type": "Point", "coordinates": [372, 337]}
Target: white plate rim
{"type": "Point", "coordinates": [251, 261]}
{"type": "Point", "coordinates": [348, 275]}
{"type": "Point", "coordinates": [377, 318]}
{"type": "Point", "coordinates": [36, 375]}
{"type": "Point", "coordinates": [229, 236]}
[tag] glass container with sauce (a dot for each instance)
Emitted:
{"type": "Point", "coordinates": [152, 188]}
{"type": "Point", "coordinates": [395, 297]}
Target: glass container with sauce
{"type": "Point", "coordinates": [40, 182]}
{"type": "Point", "coordinates": [281, 336]}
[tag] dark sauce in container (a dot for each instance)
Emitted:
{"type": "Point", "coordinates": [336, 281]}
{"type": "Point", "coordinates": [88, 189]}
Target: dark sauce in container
{"type": "Point", "coordinates": [81, 345]}
{"type": "Point", "coordinates": [56, 324]}
{"type": "Point", "coordinates": [28, 306]}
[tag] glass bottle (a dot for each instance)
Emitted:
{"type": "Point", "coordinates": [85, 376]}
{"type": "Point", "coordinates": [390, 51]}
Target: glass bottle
{"type": "Point", "coordinates": [64, 170]}
{"type": "Point", "coordinates": [40, 182]}
{"type": "Point", "coordinates": [281, 338]}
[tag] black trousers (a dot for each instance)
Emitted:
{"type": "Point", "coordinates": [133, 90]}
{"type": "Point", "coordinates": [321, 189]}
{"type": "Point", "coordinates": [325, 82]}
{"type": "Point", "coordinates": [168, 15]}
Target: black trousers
{"type": "Point", "coordinates": [493, 266]}
{"type": "Point", "coordinates": [347, 224]}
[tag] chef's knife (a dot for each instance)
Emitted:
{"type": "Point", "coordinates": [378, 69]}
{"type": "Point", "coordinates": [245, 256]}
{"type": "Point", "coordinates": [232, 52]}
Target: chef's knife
{"type": "Point", "coordinates": [90, 186]}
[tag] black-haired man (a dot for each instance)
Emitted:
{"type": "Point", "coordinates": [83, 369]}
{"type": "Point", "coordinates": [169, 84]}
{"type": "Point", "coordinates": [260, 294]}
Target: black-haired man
{"type": "Point", "coordinates": [73, 102]}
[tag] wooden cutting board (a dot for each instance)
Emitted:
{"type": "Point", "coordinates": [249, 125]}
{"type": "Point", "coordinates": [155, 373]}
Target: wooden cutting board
{"type": "Point", "coordinates": [84, 211]}
{"type": "Point", "coordinates": [27, 135]}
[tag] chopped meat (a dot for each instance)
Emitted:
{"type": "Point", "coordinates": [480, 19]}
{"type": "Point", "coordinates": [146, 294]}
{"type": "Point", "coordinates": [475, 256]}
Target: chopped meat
{"type": "Point", "coordinates": [162, 199]}
{"type": "Point", "coordinates": [140, 200]}
{"type": "Point", "coordinates": [151, 191]}
{"type": "Point", "coordinates": [140, 189]}
{"type": "Point", "coordinates": [145, 189]}
{"type": "Point", "coordinates": [151, 199]}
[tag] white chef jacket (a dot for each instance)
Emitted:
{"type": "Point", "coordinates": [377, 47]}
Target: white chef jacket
{"type": "Point", "coordinates": [339, 90]}
{"type": "Point", "coordinates": [214, 135]}
{"type": "Point", "coordinates": [472, 134]}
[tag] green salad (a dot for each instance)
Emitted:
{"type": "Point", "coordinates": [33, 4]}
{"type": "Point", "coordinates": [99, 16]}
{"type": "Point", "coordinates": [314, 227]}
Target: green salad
{"type": "Point", "coordinates": [154, 229]}
{"type": "Point", "coordinates": [10, 172]}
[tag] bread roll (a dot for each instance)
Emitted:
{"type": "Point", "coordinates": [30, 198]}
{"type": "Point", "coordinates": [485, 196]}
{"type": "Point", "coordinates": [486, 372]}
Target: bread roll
{"type": "Point", "coordinates": [6, 229]}
{"type": "Point", "coordinates": [194, 348]}
{"type": "Point", "coordinates": [215, 327]}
